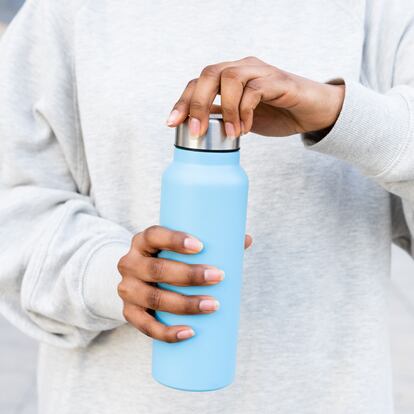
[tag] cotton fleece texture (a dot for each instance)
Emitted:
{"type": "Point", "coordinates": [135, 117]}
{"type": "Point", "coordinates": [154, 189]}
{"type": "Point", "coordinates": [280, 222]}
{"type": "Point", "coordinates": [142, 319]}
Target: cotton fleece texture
{"type": "Point", "coordinates": [85, 88]}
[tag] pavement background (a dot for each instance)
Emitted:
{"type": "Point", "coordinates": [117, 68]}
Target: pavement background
{"type": "Point", "coordinates": [18, 352]}
{"type": "Point", "coordinates": [8, 9]}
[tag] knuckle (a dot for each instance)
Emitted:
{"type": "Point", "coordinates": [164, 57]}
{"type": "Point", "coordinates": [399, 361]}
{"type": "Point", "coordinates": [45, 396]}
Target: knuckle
{"type": "Point", "coordinates": [156, 269]}
{"type": "Point", "coordinates": [194, 276]}
{"type": "Point", "coordinates": [177, 240]}
{"type": "Point", "coordinates": [154, 298]}
{"type": "Point", "coordinates": [283, 79]}
{"type": "Point", "coordinates": [123, 264]}
{"type": "Point", "coordinates": [149, 232]}
{"type": "Point", "coordinates": [280, 74]}
{"type": "Point", "coordinates": [192, 83]}
{"type": "Point", "coordinates": [145, 328]}
{"type": "Point", "coordinates": [181, 102]}
{"type": "Point", "coordinates": [253, 86]}
{"type": "Point", "coordinates": [198, 106]}
{"type": "Point", "coordinates": [230, 73]}
{"type": "Point", "coordinates": [122, 290]}
{"type": "Point", "coordinates": [151, 229]}
{"type": "Point", "coordinates": [190, 305]}
{"type": "Point", "coordinates": [210, 71]}
{"type": "Point", "coordinates": [136, 239]}
{"type": "Point", "coordinates": [250, 58]}
{"type": "Point", "coordinates": [245, 112]}
{"type": "Point", "coordinates": [289, 81]}
{"type": "Point", "coordinates": [230, 111]}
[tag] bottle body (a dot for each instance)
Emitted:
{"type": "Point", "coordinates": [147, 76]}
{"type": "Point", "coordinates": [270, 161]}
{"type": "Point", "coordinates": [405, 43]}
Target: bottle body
{"type": "Point", "coordinates": [204, 194]}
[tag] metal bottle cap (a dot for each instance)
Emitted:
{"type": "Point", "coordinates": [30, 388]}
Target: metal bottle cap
{"type": "Point", "coordinates": [215, 139]}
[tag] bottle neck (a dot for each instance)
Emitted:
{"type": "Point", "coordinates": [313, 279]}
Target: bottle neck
{"type": "Point", "coordinates": [206, 157]}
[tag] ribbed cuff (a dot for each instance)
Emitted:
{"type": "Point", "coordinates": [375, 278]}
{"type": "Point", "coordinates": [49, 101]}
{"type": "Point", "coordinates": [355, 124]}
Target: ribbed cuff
{"type": "Point", "coordinates": [101, 279]}
{"type": "Point", "coordinates": [371, 131]}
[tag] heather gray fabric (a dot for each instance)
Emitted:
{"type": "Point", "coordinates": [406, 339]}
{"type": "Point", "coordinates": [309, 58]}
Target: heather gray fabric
{"type": "Point", "coordinates": [85, 88]}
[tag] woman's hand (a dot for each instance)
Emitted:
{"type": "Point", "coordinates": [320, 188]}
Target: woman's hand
{"type": "Point", "coordinates": [141, 270]}
{"type": "Point", "coordinates": [257, 97]}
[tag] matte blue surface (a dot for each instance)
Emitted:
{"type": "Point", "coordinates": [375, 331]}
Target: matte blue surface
{"type": "Point", "coordinates": [205, 194]}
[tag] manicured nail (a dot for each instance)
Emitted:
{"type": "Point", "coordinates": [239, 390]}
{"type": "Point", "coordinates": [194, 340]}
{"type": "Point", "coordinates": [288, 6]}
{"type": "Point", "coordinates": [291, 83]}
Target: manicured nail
{"type": "Point", "coordinates": [213, 275]}
{"type": "Point", "coordinates": [190, 243]}
{"type": "Point", "coordinates": [173, 117]}
{"type": "Point", "coordinates": [194, 127]}
{"type": "Point", "coordinates": [208, 305]}
{"type": "Point", "coordinates": [242, 127]}
{"type": "Point", "coordinates": [185, 334]}
{"type": "Point", "coordinates": [230, 132]}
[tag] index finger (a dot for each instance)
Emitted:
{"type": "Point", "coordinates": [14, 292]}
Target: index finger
{"type": "Point", "coordinates": [206, 90]}
{"type": "Point", "coordinates": [157, 238]}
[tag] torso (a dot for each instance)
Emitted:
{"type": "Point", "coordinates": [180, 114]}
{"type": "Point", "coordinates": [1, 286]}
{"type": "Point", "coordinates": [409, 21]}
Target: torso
{"type": "Point", "coordinates": [313, 333]}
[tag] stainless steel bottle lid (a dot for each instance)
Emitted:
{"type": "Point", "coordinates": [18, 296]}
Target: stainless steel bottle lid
{"type": "Point", "coordinates": [215, 138]}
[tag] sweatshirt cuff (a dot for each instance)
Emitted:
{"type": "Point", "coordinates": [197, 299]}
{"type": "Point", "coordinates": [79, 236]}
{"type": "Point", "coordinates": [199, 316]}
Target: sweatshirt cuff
{"type": "Point", "coordinates": [371, 131]}
{"type": "Point", "coordinates": [100, 281]}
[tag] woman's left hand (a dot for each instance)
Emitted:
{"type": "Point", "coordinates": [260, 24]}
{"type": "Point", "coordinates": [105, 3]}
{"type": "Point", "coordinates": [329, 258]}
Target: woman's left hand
{"type": "Point", "coordinates": [257, 97]}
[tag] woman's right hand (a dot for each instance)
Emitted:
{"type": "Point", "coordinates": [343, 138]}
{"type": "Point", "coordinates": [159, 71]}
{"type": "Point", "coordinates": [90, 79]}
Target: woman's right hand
{"type": "Point", "coordinates": [141, 270]}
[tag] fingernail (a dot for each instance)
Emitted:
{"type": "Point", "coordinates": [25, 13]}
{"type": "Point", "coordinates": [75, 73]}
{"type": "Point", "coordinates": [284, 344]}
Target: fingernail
{"type": "Point", "coordinates": [208, 305]}
{"type": "Point", "coordinates": [173, 116]}
{"type": "Point", "coordinates": [185, 334]}
{"type": "Point", "coordinates": [242, 127]}
{"type": "Point", "coordinates": [194, 127]}
{"type": "Point", "coordinates": [230, 132]}
{"type": "Point", "coordinates": [193, 244]}
{"type": "Point", "coordinates": [213, 275]}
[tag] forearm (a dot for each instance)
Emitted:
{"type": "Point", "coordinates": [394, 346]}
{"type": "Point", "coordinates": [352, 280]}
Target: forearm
{"type": "Point", "coordinates": [58, 275]}
{"type": "Point", "coordinates": [373, 132]}
{"type": "Point", "coordinates": [52, 278]}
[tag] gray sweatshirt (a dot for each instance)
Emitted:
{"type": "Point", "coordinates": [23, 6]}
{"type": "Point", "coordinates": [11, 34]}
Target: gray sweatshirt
{"type": "Point", "coordinates": [85, 88]}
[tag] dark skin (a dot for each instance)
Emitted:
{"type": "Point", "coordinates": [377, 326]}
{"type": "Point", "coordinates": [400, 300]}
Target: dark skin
{"type": "Point", "coordinates": [141, 269]}
{"type": "Point", "coordinates": [256, 97]}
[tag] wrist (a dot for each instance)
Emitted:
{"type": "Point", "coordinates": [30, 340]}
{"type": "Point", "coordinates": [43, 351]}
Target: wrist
{"type": "Point", "coordinates": [331, 99]}
{"type": "Point", "coordinates": [333, 102]}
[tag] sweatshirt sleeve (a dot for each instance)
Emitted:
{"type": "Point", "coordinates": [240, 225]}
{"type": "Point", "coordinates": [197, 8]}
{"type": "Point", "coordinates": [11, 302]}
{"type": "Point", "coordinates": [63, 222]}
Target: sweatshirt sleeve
{"type": "Point", "coordinates": [58, 273]}
{"type": "Point", "coordinates": [375, 129]}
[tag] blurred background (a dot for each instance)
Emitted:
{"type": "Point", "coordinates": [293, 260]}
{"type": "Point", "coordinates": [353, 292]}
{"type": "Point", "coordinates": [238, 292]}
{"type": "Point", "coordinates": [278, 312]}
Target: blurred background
{"type": "Point", "coordinates": [18, 353]}
{"type": "Point", "coordinates": [8, 9]}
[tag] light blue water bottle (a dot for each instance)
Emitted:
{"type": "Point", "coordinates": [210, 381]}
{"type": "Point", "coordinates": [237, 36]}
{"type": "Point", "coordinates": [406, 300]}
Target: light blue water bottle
{"type": "Point", "coordinates": [204, 193]}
